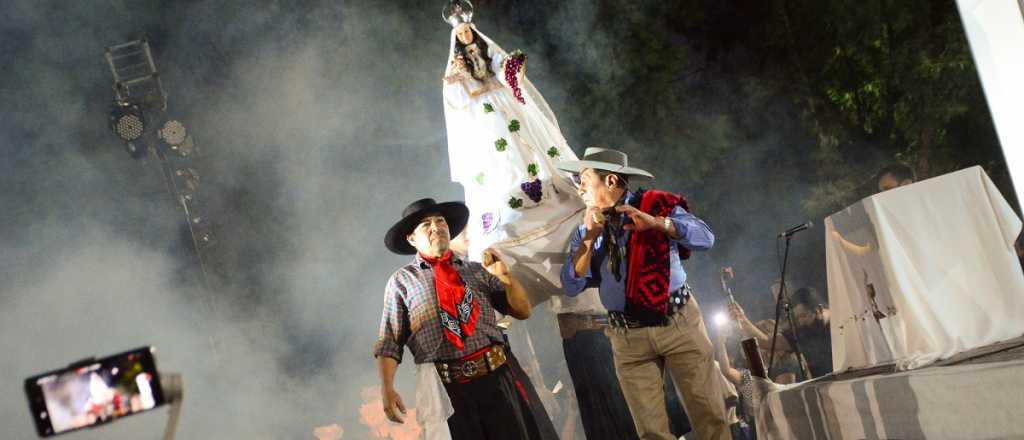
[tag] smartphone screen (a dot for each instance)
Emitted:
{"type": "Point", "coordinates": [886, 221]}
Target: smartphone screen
{"type": "Point", "coordinates": [94, 392]}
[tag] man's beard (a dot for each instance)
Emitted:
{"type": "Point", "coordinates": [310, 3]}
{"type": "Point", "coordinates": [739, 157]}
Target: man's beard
{"type": "Point", "coordinates": [440, 245]}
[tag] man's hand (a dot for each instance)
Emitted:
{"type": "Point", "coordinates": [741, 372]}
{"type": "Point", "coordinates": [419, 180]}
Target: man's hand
{"type": "Point", "coordinates": [518, 302]}
{"type": "Point", "coordinates": [642, 221]}
{"type": "Point", "coordinates": [594, 220]}
{"type": "Point", "coordinates": [493, 264]}
{"type": "Point", "coordinates": [737, 313]}
{"type": "Point", "coordinates": [393, 406]}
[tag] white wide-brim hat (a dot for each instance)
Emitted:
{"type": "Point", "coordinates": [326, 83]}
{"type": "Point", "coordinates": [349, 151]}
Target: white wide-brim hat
{"type": "Point", "coordinates": [607, 160]}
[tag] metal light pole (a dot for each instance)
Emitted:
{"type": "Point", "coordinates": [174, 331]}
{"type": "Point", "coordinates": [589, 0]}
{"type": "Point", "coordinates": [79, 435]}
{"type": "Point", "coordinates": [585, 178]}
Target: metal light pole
{"type": "Point", "coordinates": [140, 118]}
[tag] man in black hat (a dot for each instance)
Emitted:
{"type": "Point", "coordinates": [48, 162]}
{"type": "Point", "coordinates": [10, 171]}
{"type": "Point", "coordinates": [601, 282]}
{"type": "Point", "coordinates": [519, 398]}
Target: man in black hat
{"type": "Point", "coordinates": [631, 246]}
{"type": "Point", "coordinates": [442, 308]}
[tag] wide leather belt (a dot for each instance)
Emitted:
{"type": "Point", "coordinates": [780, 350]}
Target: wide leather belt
{"type": "Point", "coordinates": [676, 302]}
{"type": "Point", "coordinates": [570, 323]}
{"type": "Point", "coordinates": [472, 367]}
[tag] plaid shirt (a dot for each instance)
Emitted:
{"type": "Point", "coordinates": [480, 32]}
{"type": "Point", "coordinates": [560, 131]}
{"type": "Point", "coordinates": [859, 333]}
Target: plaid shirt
{"type": "Point", "coordinates": [411, 313]}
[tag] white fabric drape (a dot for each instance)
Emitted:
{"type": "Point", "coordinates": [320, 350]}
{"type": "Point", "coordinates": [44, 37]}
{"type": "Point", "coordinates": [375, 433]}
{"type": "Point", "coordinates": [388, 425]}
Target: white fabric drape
{"type": "Point", "coordinates": [922, 272]}
{"type": "Point", "coordinates": [496, 178]}
{"type": "Point", "coordinates": [433, 406]}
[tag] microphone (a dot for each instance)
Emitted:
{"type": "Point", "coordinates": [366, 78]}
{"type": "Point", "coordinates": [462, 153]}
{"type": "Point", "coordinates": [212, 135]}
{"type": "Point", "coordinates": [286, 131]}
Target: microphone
{"type": "Point", "coordinates": [796, 229]}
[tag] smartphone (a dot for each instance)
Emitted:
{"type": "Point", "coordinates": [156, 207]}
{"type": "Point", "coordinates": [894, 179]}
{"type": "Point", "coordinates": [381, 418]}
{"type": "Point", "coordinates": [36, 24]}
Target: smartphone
{"type": "Point", "coordinates": [93, 392]}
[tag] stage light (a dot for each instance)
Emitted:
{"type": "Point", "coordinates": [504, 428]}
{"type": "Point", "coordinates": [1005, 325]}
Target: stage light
{"type": "Point", "coordinates": [173, 133]}
{"type": "Point", "coordinates": [721, 319]}
{"type": "Point", "coordinates": [127, 122]}
{"type": "Point", "coordinates": [140, 118]}
{"type": "Point", "coordinates": [176, 137]}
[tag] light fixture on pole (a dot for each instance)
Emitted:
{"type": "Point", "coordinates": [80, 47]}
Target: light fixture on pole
{"type": "Point", "coordinates": [139, 118]}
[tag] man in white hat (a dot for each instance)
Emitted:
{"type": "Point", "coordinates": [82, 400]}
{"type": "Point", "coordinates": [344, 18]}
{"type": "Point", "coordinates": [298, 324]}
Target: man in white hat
{"type": "Point", "coordinates": [631, 246]}
{"type": "Point", "coordinates": [442, 308]}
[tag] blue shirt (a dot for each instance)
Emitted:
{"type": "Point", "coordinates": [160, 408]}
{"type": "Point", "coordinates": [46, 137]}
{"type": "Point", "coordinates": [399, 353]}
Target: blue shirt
{"type": "Point", "coordinates": [693, 233]}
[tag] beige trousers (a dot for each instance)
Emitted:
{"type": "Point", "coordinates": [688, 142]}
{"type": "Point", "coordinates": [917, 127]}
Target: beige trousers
{"type": "Point", "coordinates": [683, 347]}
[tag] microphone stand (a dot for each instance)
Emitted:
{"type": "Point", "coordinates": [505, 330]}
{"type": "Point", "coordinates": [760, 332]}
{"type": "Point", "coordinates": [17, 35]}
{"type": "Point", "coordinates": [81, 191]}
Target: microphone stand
{"type": "Point", "coordinates": [782, 300]}
{"type": "Point", "coordinates": [174, 393]}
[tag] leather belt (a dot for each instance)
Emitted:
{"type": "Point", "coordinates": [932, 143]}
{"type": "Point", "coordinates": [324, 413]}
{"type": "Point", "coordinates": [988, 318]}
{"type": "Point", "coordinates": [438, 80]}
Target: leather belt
{"type": "Point", "coordinates": [676, 301]}
{"type": "Point", "coordinates": [570, 323]}
{"type": "Point", "coordinates": [472, 367]}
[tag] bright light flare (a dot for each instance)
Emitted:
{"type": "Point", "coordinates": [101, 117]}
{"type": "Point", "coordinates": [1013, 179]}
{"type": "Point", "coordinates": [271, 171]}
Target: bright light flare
{"type": "Point", "coordinates": [720, 319]}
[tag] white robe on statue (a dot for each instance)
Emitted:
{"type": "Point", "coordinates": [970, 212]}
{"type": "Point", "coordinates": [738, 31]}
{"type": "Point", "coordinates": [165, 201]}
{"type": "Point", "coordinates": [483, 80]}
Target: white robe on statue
{"type": "Point", "coordinates": [499, 149]}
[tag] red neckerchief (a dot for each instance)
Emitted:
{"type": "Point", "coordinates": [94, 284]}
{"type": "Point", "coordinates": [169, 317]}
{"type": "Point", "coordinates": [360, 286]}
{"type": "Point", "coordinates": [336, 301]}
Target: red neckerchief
{"type": "Point", "coordinates": [458, 309]}
{"type": "Point", "coordinates": [648, 265]}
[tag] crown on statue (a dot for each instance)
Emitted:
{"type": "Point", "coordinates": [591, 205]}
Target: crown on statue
{"type": "Point", "coordinates": [458, 12]}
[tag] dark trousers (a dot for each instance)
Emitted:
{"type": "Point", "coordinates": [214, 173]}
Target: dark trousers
{"type": "Point", "coordinates": [603, 410]}
{"type": "Point", "coordinates": [498, 406]}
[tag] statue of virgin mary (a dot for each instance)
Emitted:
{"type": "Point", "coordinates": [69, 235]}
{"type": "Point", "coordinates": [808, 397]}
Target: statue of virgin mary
{"type": "Point", "coordinates": [503, 143]}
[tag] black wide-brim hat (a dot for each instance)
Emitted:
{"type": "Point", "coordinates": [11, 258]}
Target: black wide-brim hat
{"type": "Point", "coordinates": [456, 214]}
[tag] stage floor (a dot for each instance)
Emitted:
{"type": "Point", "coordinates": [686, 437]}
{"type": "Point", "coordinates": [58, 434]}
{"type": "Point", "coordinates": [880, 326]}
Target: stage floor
{"type": "Point", "coordinates": [978, 394]}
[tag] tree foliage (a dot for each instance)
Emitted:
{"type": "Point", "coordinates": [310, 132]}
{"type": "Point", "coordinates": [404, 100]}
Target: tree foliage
{"type": "Point", "coordinates": [764, 113]}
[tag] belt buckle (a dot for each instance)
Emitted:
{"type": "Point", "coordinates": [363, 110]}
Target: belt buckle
{"type": "Point", "coordinates": [469, 369]}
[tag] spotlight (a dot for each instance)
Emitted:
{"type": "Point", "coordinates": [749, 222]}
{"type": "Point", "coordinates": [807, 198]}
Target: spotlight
{"type": "Point", "coordinates": [173, 133]}
{"type": "Point", "coordinates": [721, 319]}
{"type": "Point", "coordinates": [176, 136]}
{"type": "Point", "coordinates": [127, 121]}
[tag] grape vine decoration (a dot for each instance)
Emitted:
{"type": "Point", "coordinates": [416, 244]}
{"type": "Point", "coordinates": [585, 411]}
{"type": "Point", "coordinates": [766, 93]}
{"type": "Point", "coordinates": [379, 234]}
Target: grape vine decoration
{"type": "Point", "coordinates": [533, 187]}
{"type": "Point", "coordinates": [488, 108]}
{"type": "Point", "coordinates": [553, 152]}
{"type": "Point", "coordinates": [500, 144]}
{"type": "Point", "coordinates": [515, 203]}
{"type": "Point", "coordinates": [513, 66]}
{"type": "Point", "coordinates": [487, 219]}
{"type": "Point", "coordinates": [513, 126]}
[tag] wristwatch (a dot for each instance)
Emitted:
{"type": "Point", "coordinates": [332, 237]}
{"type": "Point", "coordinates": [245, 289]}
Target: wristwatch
{"type": "Point", "coordinates": [667, 224]}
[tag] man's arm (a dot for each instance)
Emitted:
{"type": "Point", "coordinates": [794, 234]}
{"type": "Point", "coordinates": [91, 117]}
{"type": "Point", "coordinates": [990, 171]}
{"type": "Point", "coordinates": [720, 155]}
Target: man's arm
{"type": "Point", "coordinates": [682, 227]}
{"type": "Point", "coordinates": [518, 302]}
{"type": "Point", "coordinates": [751, 330]}
{"type": "Point", "coordinates": [730, 373]}
{"type": "Point", "coordinates": [853, 248]}
{"type": "Point", "coordinates": [394, 408]}
{"type": "Point", "coordinates": [394, 331]}
{"type": "Point", "coordinates": [689, 230]}
{"type": "Point", "coordinates": [576, 270]}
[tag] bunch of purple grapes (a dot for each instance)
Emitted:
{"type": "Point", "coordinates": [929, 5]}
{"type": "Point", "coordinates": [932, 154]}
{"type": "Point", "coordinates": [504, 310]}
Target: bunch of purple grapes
{"type": "Point", "coordinates": [512, 67]}
{"type": "Point", "coordinates": [488, 221]}
{"type": "Point", "coordinates": [532, 189]}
